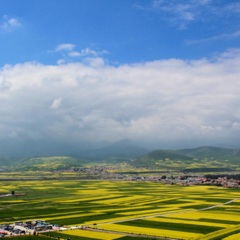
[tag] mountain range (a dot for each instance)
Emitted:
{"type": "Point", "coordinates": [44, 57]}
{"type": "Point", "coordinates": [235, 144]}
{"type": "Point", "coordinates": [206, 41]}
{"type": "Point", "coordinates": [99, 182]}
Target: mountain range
{"type": "Point", "coordinates": [206, 157]}
{"type": "Point", "coordinates": [134, 155]}
{"type": "Point", "coordinates": [123, 150]}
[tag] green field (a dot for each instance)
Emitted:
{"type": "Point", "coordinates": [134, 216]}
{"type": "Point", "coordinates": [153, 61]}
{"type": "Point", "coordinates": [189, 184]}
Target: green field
{"type": "Point", "coordinates": [116, 209]}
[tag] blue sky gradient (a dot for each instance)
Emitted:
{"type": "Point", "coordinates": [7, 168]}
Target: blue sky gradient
{"type": "Point", "coordinates": [129, 31]}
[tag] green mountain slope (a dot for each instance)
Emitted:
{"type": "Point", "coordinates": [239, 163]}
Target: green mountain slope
{"type": "Point", "coordinates": [233, 155]}
{"type": "Point", "coordinates": [161, 159]}
{"type": "Point", "coordinates": [207, 158]}
{"type": "Point", "coordinates": [48, 163]}
{"type": "Point", "coordinates": [163, 154]}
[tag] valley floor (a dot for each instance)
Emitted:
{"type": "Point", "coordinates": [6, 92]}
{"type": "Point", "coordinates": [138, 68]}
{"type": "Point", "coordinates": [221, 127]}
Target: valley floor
{"type": "Point", "coordinates": [120, 209]}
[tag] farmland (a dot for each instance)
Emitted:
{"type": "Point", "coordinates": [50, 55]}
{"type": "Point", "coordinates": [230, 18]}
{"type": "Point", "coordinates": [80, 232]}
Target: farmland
{"type": "Point", "coordinates": [120, 209]}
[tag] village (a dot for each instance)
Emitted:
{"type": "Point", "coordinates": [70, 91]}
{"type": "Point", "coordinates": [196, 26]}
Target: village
{"type": "Point", "coordinates": [33, 227]}
{"type": "Point", "coordinates": [22, 228]}
{"type": "Point", "coordinates": [186, 180]}
{"type": "Point", "coordinates": [179, 178]}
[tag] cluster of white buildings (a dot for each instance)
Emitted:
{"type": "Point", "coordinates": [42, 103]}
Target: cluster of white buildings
{"type": "Point", "coordinates": [22, 228]}
{"type": "Point", "coordinates": [186, 180]}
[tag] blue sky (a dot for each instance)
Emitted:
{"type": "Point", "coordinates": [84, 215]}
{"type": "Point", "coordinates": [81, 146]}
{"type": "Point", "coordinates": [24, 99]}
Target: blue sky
{"type": "Point", "coordinates": [126, 31]}
{"type": "Point", "coordinates": [163, 71]}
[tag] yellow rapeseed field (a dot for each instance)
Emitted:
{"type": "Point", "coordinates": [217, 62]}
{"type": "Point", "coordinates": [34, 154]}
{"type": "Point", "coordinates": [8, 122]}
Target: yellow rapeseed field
{"type": "Point", "coordinates": [121, 206]}
{"type": "Point", "coordinates": [152, 232]}
{"type": "Point", "coordinates": [93, 234]}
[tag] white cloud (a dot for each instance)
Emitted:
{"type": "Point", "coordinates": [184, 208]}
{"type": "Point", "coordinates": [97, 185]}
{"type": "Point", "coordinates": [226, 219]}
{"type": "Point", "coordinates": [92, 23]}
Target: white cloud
{"type": "Point", "coordinates": [168, 100]}
{"type": "Point", "coordinates": [225, 36]}
{"type": "Point", "coordinates": [60, 61]}
{"type": "Point", "coordinates": [95, 62]}
{"type": "Point", "coordinates": [57, 102]}
{"type": "Point", "coordinates": [74, 54]}
{"type": "Point", "coordinates": [65, 47]}
{"type": "Point", "coordinates": [86, 55]}
{"type": "Point", "coordinates": [9, 24]}
{"type": "Point", "coordinates": [182, 13]}
{"type": "Point", "coordinates": [86, 52]}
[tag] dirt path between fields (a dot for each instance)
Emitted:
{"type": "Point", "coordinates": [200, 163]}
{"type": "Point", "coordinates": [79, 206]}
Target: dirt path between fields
{"type": "Point", "coordinates": [12, 195]}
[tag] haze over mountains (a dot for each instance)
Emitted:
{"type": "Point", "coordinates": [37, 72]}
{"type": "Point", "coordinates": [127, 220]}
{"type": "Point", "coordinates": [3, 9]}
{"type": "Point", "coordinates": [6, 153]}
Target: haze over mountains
{"type": "Point", "coordinates": [101, 150]}
{"type": "Point", "coordinates": [124, 149]}
{"type": "Point", "coordinates": [62, 156]}
{"type": "Point", "coordinates": [97, 150]}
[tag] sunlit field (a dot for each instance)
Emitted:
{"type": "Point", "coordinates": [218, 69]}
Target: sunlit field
{"type": "Point", "coordinates": [117, 209]}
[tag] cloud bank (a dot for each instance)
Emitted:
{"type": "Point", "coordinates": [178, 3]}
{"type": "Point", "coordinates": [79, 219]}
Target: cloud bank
{"type": "Point", "coordinates": [172, 101]}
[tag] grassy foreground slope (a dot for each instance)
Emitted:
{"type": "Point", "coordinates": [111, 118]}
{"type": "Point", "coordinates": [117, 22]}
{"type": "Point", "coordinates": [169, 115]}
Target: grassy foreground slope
{"type": "Point", "coordinates": [127, 207]}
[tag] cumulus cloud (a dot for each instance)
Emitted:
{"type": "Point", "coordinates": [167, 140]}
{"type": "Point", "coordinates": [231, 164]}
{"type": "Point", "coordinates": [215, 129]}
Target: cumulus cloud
{"type": "Point", "coordinates": [86, 52]}
{"type": "Point", "coordinates": [65, 47]}
{"type": "Point", "coordinates": [87, 55]}
{"type": "Point", "coordinates": [9, 24]}
{"type": "Point", "coordinates": [167, 100]}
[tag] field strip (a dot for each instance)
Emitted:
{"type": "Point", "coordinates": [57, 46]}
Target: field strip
{"type": "Point", "coordinates": [233, 237]}
{"type": "Point", "coordinates": [138, 235]}
{"type": "Point", "coordinates": [197, 223]}
{"type": "Point", "coordinates": [93, 227]}
{"type": "Point", "coordinates": [220, 233]}
{"type": "Point", "coordinates": [168, 213]}
{"type": "Point", "coordinates": [218, 205]}
{"type": "Point", "coordinates": [153, 233]}
{"type": "Point", "coordinates": [109, 234]}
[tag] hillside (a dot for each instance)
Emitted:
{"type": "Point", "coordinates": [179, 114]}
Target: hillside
{"type": "Point", "coordinates": [6, 162]}
{"type": "Point", "coordinates": [164, 154]}
{"type": "Point", "coordinates": [196, 159]}
{"type": "Point", "coordinates": [233, 155]}
{"type": "Point", "coordinates": [47, 163]}
{"type": "Point", "coordinates": [161, 159]}
{"type": "Point", "coordinates": [117, 152]}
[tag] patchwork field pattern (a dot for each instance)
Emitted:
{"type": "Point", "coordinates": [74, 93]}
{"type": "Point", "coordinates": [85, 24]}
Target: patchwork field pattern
{"type": "Point", "coordinates": [116, 209]}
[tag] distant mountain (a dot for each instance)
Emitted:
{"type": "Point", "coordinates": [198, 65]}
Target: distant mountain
{"type": "Point", "coordinates": [195, 158]}
{"type": "Point", "coordinates": [164, 154]}
{"type": "Point", "coordinates": [119, 151]}
{"type": "Point", "coordinates": [46, 147]}
{"type": "Point", "coordinates": [6, 162]}
{"type": "Point", "coordinates": [47, 163]}
{"type": "Point", "coordinates": [42, 156]}
{"type": "Point", "coordinates": [217, 153]}
{"type": "Point", "coordinates": [154, 158]}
